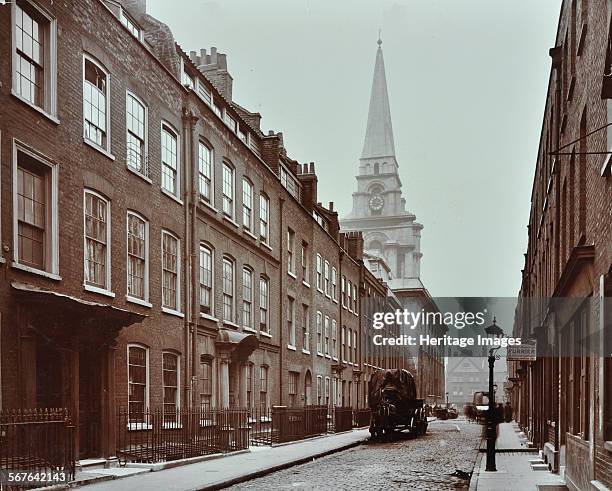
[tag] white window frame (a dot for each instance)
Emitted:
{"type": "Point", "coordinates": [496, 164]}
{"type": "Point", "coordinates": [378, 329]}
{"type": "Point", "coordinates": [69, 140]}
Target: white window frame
{"type": "Point", "coordinates": [49, 108]}
{"type": "Point", "coordinates": [229, 167]}
{"type": "Point", "coordinates": [211, 250]}
{"type": "Point", "coordinates": [305, 263]}
{"type": "Point", "coordinates": [264, 280]}
{"type": "Point", "coordinates": [305, 328]}
{"type": "Point", "coordinates": [211, 177]}
{"type": "Point", "coordinates": [264, 218]}
{"type": "Point", "coordinates": [326, 280]}
{"type": "Point", "coordinates": [104, 148]}
{"type": "Point", "coordinates": [291, 323]}
{"type": "Point", "coordinates": [232, 262]}
{"type": "Point", "coordinates": [126, 19]}
{"type": "Point", "coordinates": [334, 339]}
{"type": "Point", "coordinates": [172, 130]}
{"type": "Point", "coordinates": [334, 282]}
{"type": "Point", "coordinates": [319, 273]}
{"type": "Point", "coordinates": [170, 310]}
{"type": "Point", "coordinates": [145, 158]}
{"type": "Point", "coordinates": [326, 350]}
{"type": "Point", "coordinates": [319, 333]}
{"type": "Point", "coordinates": [247, 270]}
{"type": "Point", "coordinates": [177, 401]}
{"type": "Point", "coordinates": [319, 390]}
{"type": "Point", "coordinates": [144, 424]}
{"type": "Point", "coordinates": [247, 184]}
{"type": "Point", "coordinates": [52, 263]}
{"type": "Point", "coordinates": [291, 251]}
{"type": "Point", "coordinates": [129, 297]}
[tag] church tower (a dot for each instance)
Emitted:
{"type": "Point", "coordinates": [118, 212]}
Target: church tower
{"type": "Point", "coordinates": [379, 209]}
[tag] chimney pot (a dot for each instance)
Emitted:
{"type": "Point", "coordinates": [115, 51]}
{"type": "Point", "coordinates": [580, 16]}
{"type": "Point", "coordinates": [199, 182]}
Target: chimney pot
{"type": "Point", "coordinates": [270, 133]}
{"type": "Point", "coordinates": [312, 168]}
{"type": "Point", "coordinates": [331, 206]}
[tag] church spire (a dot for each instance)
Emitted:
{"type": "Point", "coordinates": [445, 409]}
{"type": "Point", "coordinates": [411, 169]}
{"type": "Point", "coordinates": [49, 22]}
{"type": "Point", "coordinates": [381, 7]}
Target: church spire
{"type": "Point", "coordinates": [379, 132]}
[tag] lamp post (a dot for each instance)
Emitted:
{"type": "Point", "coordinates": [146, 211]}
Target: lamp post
{"type": "Point", "coordinates": [491, 430]}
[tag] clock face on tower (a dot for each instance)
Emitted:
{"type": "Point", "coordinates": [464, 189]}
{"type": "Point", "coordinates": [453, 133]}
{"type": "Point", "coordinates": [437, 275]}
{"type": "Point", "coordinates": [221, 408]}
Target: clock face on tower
{"type": "Point", "coordinates": [376, 202]}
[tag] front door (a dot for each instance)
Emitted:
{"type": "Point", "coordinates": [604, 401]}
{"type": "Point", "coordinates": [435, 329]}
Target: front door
{"type": "Point", "coordinates": [89, 404]}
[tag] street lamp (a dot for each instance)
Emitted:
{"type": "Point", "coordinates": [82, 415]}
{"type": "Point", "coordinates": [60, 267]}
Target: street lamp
{"type": "Point", "coordinates": [493, 331]}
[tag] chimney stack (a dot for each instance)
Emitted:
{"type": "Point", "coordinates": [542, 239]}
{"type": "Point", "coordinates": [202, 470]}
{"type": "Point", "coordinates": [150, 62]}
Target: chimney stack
{"type": "Point", "coordinates": [214, 66]}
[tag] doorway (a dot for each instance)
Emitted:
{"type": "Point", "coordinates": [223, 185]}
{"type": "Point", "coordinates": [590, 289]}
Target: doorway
{"type": "Point", "coordinates": [89, 404]}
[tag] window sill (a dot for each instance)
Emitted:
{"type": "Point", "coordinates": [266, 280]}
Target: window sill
{"type": "Point", "coordinates": [36, 108]}
{"type": "Point", "coordinates": [335, 300]}
{"type": "Point", "coordinates": [138, 174]}
{"type": "Point", "coordinates": [320, 291]}
{"type": "Point", "coordinates": [335, 358]}
{"type": "Point", "coordinates": [208, 205]}
{"type": "Point", "coordinates": [171, 196]}
{"type": "Point", "coordinates": [39, 272]}
{"type": "Point", "coordinates": [169, 311]}
{"type": "Point", "coordinates": [292, 275]}
{"type": "Point", "coordinates": [265, 244]}
{"type": "Point", "coordinates": [249, 329]}
{"type": "Point", "coordinates": [307, 285]}
{"type": "Point", "coordinates": [231, 324]}
{"type": "Point", "coordinates": [138, 301]}
{"type": "Point", "coordinates": [328, 296]}
{"type": "Point", "coordinates": [328, 357]}
{"type": "Point", "coordinates": [98, 148]}
{"type": "Point", "coordinates": [305, 351]}
{"type": "Point", "coordinates": [100, 291]}
{"type": "Point", "coordinates": [291, 347]}
{"type": "Point", "coordinates": [228, 219]}
{"type": "Point", "coordinates": [139, 426]}
{"type": "Point", "coordinates": [265, 334]}
{"type": "Point", "coordinates": [320, 354]}
{"type": "Point", "coordinates": [209, 317]}
{"type": "Point", "coordinates": [247, 232]}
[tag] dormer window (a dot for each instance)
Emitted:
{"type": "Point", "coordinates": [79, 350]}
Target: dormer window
{"type": "Point", "coordinates": [130, 23]}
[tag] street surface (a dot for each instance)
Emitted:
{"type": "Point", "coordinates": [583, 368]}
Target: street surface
{"type": "Point", "coordinates": [426, 463]}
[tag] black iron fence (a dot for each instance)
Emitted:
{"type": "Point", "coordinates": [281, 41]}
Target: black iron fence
{"type": "Point", "coordinates": [159, 435]}
{"type": "Point", "coordinates": [37, 441]}
{"type": "Point", "coordinates": [361, 418]}
{"type": "Point", "coordinates": [297, 423]}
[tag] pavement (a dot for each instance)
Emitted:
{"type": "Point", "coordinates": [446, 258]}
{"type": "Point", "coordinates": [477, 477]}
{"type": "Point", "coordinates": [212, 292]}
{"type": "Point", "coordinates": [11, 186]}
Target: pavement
{"type": "Point", "coordinates": [514, 472]}
{"type": "Point", "coordinates": [228, 470]}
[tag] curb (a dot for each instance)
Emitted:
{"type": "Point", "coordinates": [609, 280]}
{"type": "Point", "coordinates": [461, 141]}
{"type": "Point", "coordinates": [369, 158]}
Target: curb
{"type": "Point", "coordinates": [269, 470]}
{"type": "Point", "coordinates": [178, 463]}
{"type": "Point", "coordinates": [474, 479]}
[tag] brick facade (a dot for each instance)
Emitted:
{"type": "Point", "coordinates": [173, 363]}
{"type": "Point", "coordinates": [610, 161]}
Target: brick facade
{"type": "Point", "coordinates": [67, 344]}
{"type": "Point", "coordinates": [569, 253]}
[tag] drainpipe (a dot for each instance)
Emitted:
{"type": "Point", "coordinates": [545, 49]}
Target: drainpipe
{"type": "Point", "coordinates": [281, 202]}
{"type": "Point", "coordinates": [189, 121]}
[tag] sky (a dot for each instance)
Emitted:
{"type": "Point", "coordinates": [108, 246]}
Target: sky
{"type": "Point", "coordinates": [467, 85]}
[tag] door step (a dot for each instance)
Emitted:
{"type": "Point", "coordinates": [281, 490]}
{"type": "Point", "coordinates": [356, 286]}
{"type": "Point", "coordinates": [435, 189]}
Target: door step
{"type": "Point", "coordinates": [539, 467]}
{"type": "Point", "coordinates": [90, 464]}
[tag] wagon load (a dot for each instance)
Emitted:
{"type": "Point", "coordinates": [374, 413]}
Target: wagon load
{"type": "Point", "coordinates": [394, 405]}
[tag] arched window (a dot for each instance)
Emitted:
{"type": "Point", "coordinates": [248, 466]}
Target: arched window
{"type": "Point", "coordinates": [376, 168]}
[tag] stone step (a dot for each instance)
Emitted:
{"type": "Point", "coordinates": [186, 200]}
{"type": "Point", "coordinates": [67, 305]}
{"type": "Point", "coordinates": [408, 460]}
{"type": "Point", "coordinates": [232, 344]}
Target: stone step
{"type": "Point", "coordinates": [539, 467]}
{"type": "Point", "coordinates": [536, 461]}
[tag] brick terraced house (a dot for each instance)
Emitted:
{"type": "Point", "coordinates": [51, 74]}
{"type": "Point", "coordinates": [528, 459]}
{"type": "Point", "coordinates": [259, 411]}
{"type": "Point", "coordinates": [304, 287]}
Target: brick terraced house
{"type": "Point", "coordinates": [564, 398]}
{"type": "Point", "coordinates": [158, 249]}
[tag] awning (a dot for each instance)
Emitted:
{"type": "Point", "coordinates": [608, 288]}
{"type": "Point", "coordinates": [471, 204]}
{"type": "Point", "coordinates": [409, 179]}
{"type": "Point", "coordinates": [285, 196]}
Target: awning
{"type": "Point", "coordinates": [72, 307]}
{"type": "Point", "coordinates": [239, 344]}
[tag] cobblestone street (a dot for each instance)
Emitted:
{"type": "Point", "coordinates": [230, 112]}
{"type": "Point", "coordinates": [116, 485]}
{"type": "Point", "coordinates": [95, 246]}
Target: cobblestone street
{"type": "Point", "coordinates": [426, 463]}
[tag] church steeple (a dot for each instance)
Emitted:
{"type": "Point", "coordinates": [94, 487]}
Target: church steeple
{"type": "Point", "coordinates": [379, 132]}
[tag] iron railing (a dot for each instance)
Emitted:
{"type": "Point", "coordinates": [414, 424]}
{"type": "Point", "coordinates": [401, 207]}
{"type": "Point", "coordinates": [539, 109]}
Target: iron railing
{"type": "Point", "coordinates": [361, 418]}
{"type": "Point", "coordinates": [297, 423]}
{"type": "Point", "coordinates": [342, 419]}
{"type": "Point", "coordinates": [158, 435]}
{"type": "Point", "coordinates": [37, 440]}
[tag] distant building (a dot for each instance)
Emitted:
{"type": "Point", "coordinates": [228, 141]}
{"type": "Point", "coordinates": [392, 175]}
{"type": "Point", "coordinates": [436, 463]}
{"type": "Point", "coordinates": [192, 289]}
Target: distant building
{"type": "Point", "coordinates": [466, 375]}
